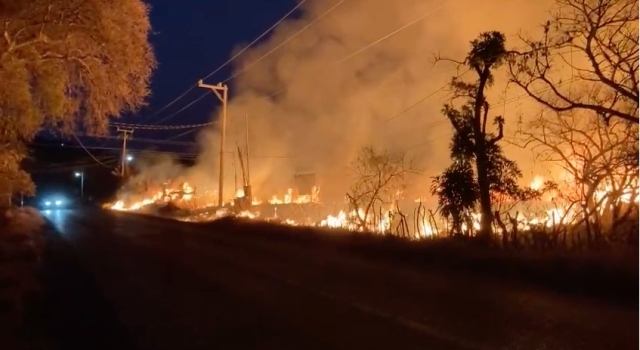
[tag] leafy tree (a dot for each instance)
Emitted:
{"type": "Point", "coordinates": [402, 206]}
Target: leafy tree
{"type": "Point", "coordinates": [458, 188]}
{"type": "Point", "coordinates": [472, 141]}
{"type": "Point", "coordinates": [597, 40]}
{"type": "Point", "coordinates": [12, 178]}
{"type": "Point", "coordinates": [69, 64]}
{"type": "Point", "coordinates": [457, 192]}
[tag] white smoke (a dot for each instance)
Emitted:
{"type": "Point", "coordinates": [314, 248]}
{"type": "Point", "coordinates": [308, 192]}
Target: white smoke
{"type": "Point", "coordinates": [311, 110]}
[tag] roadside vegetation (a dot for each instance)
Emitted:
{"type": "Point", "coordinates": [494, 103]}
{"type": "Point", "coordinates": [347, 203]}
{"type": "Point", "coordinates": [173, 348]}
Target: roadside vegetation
{"type": "Point", "coordinates": [578, 232]}
{"type": "Point", "coordinates": [67, 76]}
{"type": "Point", "coordinates": [73, 75]}
{"type": "Point", "coordinates": [21, 249]}
{"type": "Point", "coordinates": [66, 67]}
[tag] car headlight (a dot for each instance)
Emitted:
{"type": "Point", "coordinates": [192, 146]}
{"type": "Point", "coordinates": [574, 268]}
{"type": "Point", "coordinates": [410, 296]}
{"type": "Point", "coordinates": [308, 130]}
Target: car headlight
{"type": "Point", "coordinates": [47, 203]}
{"type": "Point", "coordinates": [58, 203]}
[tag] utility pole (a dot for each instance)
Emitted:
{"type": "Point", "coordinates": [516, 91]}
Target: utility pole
{"type": "Point", "coordinates": [246, 125]}
{"type": "Point", "coordinates": [80, 174]}
{"type": "Point", "coordinates": [123, 161]}
{"type": "Point", "coordinates": [235, 173]}
{"type": "Point", "coordinates": [221, 92]}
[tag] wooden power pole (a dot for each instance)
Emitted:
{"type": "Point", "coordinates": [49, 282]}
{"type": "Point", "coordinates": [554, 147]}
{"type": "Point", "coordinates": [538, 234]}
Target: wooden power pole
{"type": "Point", "coordinates": [126, 133]}
{"type": "Point", "coordinates": [221, 92]}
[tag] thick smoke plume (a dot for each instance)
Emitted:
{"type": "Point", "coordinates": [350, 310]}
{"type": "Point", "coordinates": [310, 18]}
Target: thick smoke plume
{"type": "Point", "coordinates": [311, 110]}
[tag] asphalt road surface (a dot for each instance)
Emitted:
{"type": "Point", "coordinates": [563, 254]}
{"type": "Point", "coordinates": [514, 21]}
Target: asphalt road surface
{"type": "Point", "coordinates": [119, 281]}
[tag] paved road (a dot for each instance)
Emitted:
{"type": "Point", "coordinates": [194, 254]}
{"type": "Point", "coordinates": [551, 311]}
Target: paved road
{"type": "Point", "coordinates": [136, 282]}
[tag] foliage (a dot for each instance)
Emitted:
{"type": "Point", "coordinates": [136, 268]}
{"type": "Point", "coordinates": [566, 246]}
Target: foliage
{"type": "Point", "coordinates": [473, 143]}
{"type": "Point", "coordinates": [597, 42]}
{"type": "Point", "coordinates": [457, 192]}
{"type": "Point", "coordinates": [12, 178]}
{"type": "Point", "coordinates": [379, 177]}
{"type": "Point", "coordinates": [457, 188]}
{"type": "Point", "coordinates": [70, 64]}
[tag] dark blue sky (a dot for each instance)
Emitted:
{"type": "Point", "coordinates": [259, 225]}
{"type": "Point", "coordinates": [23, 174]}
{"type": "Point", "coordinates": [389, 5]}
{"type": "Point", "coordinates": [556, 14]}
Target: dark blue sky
{"type": "Point", "coordinates": [191, 39]}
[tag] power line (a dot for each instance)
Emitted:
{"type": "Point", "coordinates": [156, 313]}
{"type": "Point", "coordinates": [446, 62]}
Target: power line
{"type": "Point", "coordinates": [89, 153]}
{"type": "Point", "coordinates": [300, 31]}
{"type": "Point", "coordinates": [250, 65]}
{"type": "Point", "coordinates": [171, 103]}
{"type": "Point", "coordinates": [182, 134]}
{"type": "Point", "coordinates": [256, 39]}
{"type": "Point", "coordinates": [395, 31]}
{"type": "Point", "coordinates": [159, 127]}
{"type": "Point", "coordinates": [139, 151]}
{"type": "Point", "coordinates": [170, 116]}
{"type": "Point", "coordinates": [65, 167]}
{"type": "Point", "coordinates": [364, 48]}
{"type": "Point", "coordinates": [417, 103]}
{"type": "Point", "coordinates": [226, 64]}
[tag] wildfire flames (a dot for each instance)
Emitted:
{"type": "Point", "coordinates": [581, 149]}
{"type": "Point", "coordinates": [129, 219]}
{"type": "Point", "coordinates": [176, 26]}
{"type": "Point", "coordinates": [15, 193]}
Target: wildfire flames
{"type": "Point", "coordinates": [555, 207]}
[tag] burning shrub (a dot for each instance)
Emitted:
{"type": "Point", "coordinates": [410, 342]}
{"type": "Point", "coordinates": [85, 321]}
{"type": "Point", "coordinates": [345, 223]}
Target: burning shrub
{"type": "Point", "coordinates": [379, 180]}
{"type": "Point", "coordinates": [598, 186]}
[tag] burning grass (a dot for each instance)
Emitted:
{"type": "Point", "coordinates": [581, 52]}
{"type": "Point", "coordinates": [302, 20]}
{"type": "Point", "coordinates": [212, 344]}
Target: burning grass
{"type": "Point", "coordinates": [558, 215]}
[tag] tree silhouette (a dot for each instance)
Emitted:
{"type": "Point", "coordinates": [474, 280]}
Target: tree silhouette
{"type": "Point", "coordinates": [69, 64]}
{"type": "Point", "coordinates": [458, 188]}
{"type": "Point", "coordinates": [472, 141]}
{"type": "Point", "coordinates": [597, 41]}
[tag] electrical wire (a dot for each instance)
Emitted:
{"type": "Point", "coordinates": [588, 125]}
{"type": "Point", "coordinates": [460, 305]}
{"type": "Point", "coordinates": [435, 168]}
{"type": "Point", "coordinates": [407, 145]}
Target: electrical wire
{"type": "Point", "coordinates": [71, 166]}
{"type": "Point", "coordinates": [152, 141]}
{"type": "Point", "coordinates": [182, 134]}
{"type": "Point", "coordinates": [170, 116]}
{"type": "Point", "coordinates": [89, 153]}
{"type": "Point", "coordinates": [159, 127]}
{"type": "Point", "coordinates": [140, 151]}
{"type": "Point", "coordinates": [171, 103]}
{"type": "Point", "coordinates": [226, 63]}
{"type": "Point", "coordinates": [362, 49]}
{"type": "Point", "coordinates": [156, 127]}
{"type": "Point", "coordinates": [293, 36]}
{"type": "Point", "coordinates": [246, 68]}
{"type": "Point", "coordinates": [396, 31]}
{"type": "Point", "coordinates": [256, 39]}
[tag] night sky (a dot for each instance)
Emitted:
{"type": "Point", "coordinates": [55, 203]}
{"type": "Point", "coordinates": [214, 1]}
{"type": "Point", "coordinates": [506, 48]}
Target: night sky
{"type": "Point", "coordinates": [191, 39]}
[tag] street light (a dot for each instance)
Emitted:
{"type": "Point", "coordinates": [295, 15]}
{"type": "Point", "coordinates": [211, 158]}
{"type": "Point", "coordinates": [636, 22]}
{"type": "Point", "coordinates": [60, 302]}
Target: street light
{"type": "Point", "coordinates": [80, 174]}
{"type": "Point", "coordinates": [129, 158]}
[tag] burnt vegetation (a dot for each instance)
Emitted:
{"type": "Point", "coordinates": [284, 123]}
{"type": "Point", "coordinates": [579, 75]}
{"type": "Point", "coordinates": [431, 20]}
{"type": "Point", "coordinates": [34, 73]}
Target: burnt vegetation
{"type": "Point", "coordinates": [67, 66]}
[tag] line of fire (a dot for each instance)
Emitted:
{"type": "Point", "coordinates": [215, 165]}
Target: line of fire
{"type": "Point", "coordinates": [556, 209]}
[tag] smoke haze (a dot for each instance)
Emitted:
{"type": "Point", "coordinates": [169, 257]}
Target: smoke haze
{"type": "Point", "coordinates": [311, 110]}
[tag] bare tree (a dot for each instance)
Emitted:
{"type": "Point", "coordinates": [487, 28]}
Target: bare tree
{"type": "Point", "coordinates": [600, 181]}
{"type": "Point", "coordinates": [597, 41]}
{"type": "Point", "coordinates": [379, 178]}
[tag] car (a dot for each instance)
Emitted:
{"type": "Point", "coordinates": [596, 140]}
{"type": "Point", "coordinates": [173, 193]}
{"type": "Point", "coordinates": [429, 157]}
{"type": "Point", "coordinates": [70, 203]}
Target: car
{"type": "Point", "coordinates": [55, 202]}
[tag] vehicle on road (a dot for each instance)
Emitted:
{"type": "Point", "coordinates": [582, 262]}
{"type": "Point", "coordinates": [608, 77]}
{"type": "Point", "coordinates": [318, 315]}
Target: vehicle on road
{"type": "Point", "coordinates": [53, 202]}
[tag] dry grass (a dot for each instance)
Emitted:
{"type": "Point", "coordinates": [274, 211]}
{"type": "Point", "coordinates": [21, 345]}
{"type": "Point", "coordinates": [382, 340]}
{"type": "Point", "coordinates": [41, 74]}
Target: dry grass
{"type": "Point", "coordinates": [21, 246]}
{"type": "Point", "coordinates": [611, 274]}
